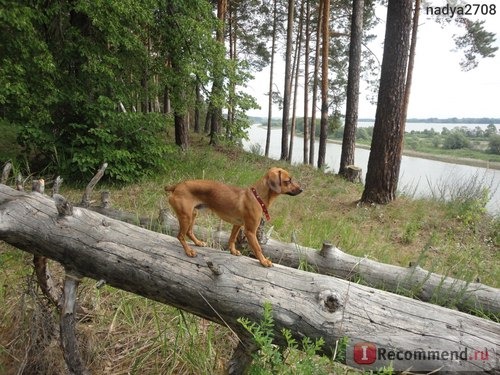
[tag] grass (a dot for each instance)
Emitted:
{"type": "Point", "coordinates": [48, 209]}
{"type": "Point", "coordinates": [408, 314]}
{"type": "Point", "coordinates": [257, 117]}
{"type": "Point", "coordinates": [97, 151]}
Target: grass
{"type": "Point", "coordinates": [127, 334]}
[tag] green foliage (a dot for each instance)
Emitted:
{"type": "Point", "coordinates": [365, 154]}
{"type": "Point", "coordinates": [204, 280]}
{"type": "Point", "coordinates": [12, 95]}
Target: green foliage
{"type": "Point", "coordinates": [132, 144]}
{"type": "Point", "coordinates": [411, 230]}
{"type": "Point", "coordinates": [455, 140]}
{"type": "Point", "coordinates": [295, 359]}
{"type": "Point", "coordinates": [494, 144]}
{"type": "Point", "coordinates": [476, 42]}
{"type": "Point", "coordinates": [469, 208]}
{"type": "Point", "coordinates": [67, 69]}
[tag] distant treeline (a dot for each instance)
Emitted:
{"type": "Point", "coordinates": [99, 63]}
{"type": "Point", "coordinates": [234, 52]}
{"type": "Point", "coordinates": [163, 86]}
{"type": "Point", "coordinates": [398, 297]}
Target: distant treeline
{"type": "Point", "coordinates": [430, 120]}
{"type": "Point", "coordinates": [451, 120]}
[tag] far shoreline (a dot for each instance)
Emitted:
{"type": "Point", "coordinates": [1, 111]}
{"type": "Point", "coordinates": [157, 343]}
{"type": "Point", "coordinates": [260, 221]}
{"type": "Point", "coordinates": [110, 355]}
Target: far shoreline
{"type": "Point", "coordinates": [443, 158]}
{"type": "Point", "coordinates": [425, 155]}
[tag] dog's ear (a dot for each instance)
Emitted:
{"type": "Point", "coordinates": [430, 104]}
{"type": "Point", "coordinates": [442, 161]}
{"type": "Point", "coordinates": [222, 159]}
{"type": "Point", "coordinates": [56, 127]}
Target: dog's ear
{"type": "Point", "coordinates": [274, 181]}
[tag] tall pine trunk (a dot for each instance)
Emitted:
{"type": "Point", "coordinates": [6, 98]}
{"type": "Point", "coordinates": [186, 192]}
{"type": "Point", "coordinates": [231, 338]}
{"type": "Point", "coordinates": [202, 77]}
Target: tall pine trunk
{"type": "Point", "coordinates": [385, 156]}
{"type": "Point", "coordinates": [271, 76]}
{"type": "Point", "coordinates": [351, 116]}
{"type": "Point", "coordinates": [288, 81]}
{"type": "Point", "coordinates": [312, 141]}
{"type": "Point", "coordinates": [411, 60]}
{"type": "Point", "coordinates": [215, 110]}
{"type": "Point", "coordinates": [306, 85]}
{"type": "Point", "coordinates": [325, 33]}
{"type": "Point", "coordinates": [296, 63]}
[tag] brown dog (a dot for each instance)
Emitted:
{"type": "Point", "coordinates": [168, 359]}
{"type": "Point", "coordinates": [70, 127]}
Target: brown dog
{"type": "Point", "coordinates": [240, 207]}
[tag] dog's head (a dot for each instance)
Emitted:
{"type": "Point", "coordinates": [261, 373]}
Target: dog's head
{"type": "Point", "coordinates": [280, 181]}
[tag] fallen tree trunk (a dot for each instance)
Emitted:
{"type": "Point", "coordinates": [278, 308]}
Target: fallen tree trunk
{"type": "Point", "coordinates": [412, 280]}
{"type": "Point", "coordinates": [220, 287]}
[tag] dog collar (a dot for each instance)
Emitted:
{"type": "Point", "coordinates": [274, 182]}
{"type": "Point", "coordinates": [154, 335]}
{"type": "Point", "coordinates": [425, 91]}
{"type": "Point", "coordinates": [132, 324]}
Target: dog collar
{"type": "Point", "coordinates": [262, 204]}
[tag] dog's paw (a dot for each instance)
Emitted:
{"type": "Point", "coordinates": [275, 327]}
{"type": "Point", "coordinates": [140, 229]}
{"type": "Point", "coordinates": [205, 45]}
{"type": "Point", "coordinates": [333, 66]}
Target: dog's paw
{"type": "Point", "coordinates": [235, 252]}
{"type": "Point", "coordinates": [201, 244]}
{"type": "Point", "coordinates": [266, 262]}
{"type": "Point", "coordinates": [191, 253]}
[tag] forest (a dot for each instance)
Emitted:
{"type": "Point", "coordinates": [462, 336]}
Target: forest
{"type": "Point", "coordinates": [83, 82]}
{"type": "Point", "coordinates": [155, 91]}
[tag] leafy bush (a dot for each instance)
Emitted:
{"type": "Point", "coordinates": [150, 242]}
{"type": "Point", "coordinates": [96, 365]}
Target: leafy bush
{"type": "Point", "coordinates": [270, 359]}
{"type": "Point", "coordinates": [455, 140]}
{"type": "Point", "coordinates": [494, 144]}
{"type": "Point", "coordinates": [133, 145]}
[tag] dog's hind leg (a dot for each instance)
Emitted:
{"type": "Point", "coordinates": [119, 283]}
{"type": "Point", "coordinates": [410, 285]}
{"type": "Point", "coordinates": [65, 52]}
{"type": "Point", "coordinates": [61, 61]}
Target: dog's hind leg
{"type": "Point", "coordinates": [190, 232]}
{"type": "Point", "coordinates": [184, 224]}
{"type": "Point", "coordinates": [232, 240]}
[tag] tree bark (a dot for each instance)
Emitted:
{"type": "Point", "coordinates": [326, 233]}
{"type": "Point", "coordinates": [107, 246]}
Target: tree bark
{"type": "Point", "coordinates": [305, 158]}
{"type": "Point", "coordinates": [288, 82]}
{"type": "Point", "coordinates": [351, 116]}
{"type": "Point", "coordinates": [217, 86]}
{"type": "Point", "coordinates": [325, 33]}
{"type": "Point", "coordinates": [271, 77]}
{"type": "Point", "coordinates": [411, 62]}
{"type": "Point", "coordinates": [412, 280]}
{"type": "Point", "coordinates": [181, 131]}
{"type": "Point", "coordinates": [415, 281]}
{"type": "Point", "coordinates": [312, 133]}
{"type": "Point", "coordinates": [296, 71]}
{"type": "Point", "coordinates": [309, 305]}
{"type": "Point", "coordinates": [386, 148]}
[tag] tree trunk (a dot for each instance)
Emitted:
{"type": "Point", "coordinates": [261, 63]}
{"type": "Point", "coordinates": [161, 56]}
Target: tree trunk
{"type": "Point", "coordinates": [385, 156]}
{"type": "Point", "coordinates": [221, 287]}
{"type": "Point", "coordinates": [325, 33]}
{"type": "Point", "coordinates": [411, 62]}
{"type": "Point", "coordinates": [305, 159]}
{"type": "Point", "coordinates": [215, 110]}
{"type": "Point", "coordinates": [351, 116]}
{"type": "Point", "coordinates": [181, 131]}
{"type": "Point", "coordinates": [412, 280]}
{"type": "Point", "coordinates": [315, 86]}
{"type": "Point", "coordinates": [288, 81]}
{"type": "Point", "coordinates": [271, 77]}
{"type": "Point", "coordinates": [197, 108]}
{"type": "Point", "coordinates": [296, 70]}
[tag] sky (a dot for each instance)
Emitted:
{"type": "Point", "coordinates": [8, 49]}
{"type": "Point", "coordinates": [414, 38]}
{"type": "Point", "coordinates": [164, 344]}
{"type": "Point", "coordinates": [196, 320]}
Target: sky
{"type": "Point", "coordinates": [439, 87]}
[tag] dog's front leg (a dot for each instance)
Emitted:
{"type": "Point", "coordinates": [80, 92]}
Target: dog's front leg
{"type": "Point", "coordinates": [257, 250]}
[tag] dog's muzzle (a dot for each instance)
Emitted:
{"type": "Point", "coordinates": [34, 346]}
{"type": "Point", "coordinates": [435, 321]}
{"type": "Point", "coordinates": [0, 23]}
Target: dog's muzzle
{"type": "Point", "coordinates": [295, 192]}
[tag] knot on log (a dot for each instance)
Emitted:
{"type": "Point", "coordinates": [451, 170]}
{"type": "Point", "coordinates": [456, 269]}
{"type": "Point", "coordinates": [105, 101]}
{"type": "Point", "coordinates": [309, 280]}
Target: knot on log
{"type": "Point", "coordinates": [214, 268]}
{"type": "Point", "coordinates": [329, 301]}
{"type": "Point", "coordinates": [63, 206]}
{"type": "Point", "coordinates": [326, 249]}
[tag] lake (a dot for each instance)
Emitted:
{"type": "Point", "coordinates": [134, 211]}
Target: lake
{"type": "Point", "coordinates": [418, 177]}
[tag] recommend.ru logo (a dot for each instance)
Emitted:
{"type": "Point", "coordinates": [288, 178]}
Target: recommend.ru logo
{"type": "Point", "coordinates": [373, 356]}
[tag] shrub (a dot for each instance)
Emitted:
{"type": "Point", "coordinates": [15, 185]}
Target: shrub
{"type": "Point", "coordinates": [270, 359]}
{"type": "Point", "coordinates": [133, 145]}
{"type": "Point", "coordinates": [455, 140]}
{"type": "Point", "coordinates": [494, 144]}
